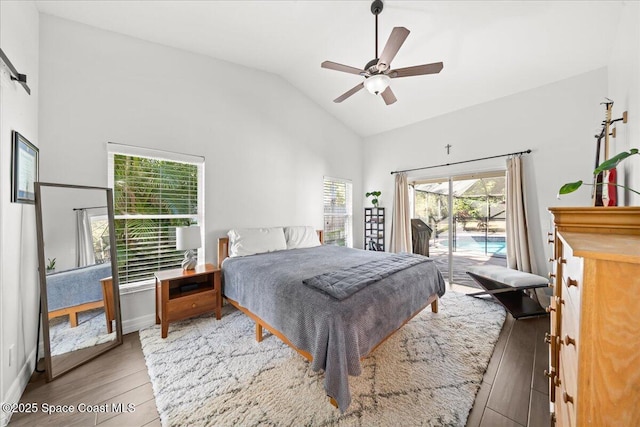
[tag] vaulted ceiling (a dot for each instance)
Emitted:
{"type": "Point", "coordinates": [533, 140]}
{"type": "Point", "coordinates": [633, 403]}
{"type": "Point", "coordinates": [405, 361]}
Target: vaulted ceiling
{"type": "Point", "coordinates": [490, 49]}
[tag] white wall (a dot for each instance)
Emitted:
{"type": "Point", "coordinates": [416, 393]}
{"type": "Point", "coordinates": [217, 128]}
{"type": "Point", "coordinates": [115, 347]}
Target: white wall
{"type": "Point", "coordinates": [19, 288]}
{"type": "Point", "coordinates": [624, 89]}
{"type": "Point", "coordinates": [266, 145]}
{"type": "Point", "coordinates": [556, 121]}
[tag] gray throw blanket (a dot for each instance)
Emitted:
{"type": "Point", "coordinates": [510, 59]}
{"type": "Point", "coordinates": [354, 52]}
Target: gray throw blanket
{"type": "Point", "coordinates": [343, 283]}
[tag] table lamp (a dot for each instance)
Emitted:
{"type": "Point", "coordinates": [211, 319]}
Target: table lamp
{"type": "Point", "coordinates": [188, 240]}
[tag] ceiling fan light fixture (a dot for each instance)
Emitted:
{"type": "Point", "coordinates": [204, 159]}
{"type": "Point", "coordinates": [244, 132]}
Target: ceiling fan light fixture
{"type": "Point", "coordinates": [377, 84]}
{"type": "Point", "coordinates": [378, 72]}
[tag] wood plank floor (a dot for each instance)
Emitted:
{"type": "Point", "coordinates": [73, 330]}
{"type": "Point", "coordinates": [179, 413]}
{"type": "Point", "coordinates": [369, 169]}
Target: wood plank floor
{"type": "Point", "coordinates": [513, 393]}
{"type": "Point", "coordinates": [118, 376]}
{"type": "Point", "coordinates": [514, 389]}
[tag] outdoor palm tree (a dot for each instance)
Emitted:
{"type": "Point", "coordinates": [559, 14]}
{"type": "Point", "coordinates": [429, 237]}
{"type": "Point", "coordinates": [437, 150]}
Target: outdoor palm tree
{"type": "Point", "coordinates": [151, 198]}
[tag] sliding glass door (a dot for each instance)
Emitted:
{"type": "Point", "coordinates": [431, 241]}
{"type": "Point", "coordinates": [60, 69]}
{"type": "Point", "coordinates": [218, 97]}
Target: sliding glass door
{"type": "Point", "coordinates": [466, 215]}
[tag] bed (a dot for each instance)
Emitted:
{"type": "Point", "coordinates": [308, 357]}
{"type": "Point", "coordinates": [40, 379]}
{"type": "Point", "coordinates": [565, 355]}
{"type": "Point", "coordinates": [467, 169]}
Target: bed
{"type": "Point", "coordinates": [80, 289]}
{"type": "Point", "coordinates": [334, 335]}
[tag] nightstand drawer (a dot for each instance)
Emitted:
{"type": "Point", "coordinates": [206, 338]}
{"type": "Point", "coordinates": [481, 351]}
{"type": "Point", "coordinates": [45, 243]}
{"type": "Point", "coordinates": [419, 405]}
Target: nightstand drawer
{"type": "Point", "coordinates": [192, 305]}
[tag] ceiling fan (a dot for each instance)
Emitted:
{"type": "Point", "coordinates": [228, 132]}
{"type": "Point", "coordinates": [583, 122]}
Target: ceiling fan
{"type": "Point", "coordinates": [377, 72]}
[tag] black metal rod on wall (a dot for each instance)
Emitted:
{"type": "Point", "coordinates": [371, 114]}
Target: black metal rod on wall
{"type": "Point", "coordinates": [464, 161]}
{"type": "Point", "coordinates": [15, 75]}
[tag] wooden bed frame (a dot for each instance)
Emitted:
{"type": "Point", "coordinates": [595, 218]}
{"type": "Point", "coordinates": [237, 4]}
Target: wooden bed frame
{"type": "Point", "coordinates": [223, 253]}
{"type": "Point", "coordinates": [107, 303]}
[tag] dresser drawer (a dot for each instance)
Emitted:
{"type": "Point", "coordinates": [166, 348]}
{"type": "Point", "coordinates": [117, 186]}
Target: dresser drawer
{"type": "Point", "coordinates": [568, 369]}
{"type": "Point", "coordinates": [565, 403]}
{"type": "Point", "coordinates": [551, 337]}
{"type": "Point", "coordinates": [569, 318]}
{"type": "Point", "coordinates": [572, 278]}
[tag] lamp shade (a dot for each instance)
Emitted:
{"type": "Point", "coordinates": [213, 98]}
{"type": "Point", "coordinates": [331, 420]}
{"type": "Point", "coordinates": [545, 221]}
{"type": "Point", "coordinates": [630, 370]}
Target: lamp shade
{"type": "Point", "coordinates": [377, 83]}
{"type": "Point", "coordinates": [188, 238]}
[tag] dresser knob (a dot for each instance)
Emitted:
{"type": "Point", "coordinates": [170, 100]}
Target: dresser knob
{"type": "Point", "coordinates": [552, 275]}
{"type": "Point", "coordinates": [566, 397]}
{"type": "Point", "coordinates": [551, 260]}
{"type": "Point", "coordinates": [556, 381]}
{"type": "Point", "coordinates": [559, 301]}
{"type": "Point", "coordinates": [550, 241]}
{"type": "Point", "coordinates": [549, 234]}
{"type": "Point", "coordinates": [568, 340]}
{"type": "Point", "coordinates": [572, 282]}
{"type": "Point", "coordinates": [549, 374]}
{"type": "Point", "coordinates": [549, 309]}
{"type": "Point", "coordinates": [563, 261]}
{"type": "Point", "coordinates": [193, 305]}
{"type": "Point", "coordinates": [547, 338]}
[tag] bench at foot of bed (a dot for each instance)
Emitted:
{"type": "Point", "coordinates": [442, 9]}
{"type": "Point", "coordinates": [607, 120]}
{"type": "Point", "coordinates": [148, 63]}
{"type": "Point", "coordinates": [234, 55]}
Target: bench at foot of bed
{"type": "Point", "coordinates": [508, 287]}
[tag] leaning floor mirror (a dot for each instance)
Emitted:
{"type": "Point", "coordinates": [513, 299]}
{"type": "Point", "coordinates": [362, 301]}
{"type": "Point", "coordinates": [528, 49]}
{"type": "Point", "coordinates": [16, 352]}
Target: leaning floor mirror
{"type": "Point", "coordinates": [80, 301]}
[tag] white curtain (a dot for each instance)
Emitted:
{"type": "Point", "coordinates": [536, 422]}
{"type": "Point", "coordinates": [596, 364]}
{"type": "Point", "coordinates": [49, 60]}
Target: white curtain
{"type": "Point", "coordinates": [84, 241]}
{"type": "Point", "coordinates": [518, 248]}
{"type": "Point", "coordinates": [401, 218]}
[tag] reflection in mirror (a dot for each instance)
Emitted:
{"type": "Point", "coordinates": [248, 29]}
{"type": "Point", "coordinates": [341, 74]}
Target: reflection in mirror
{"type": "Point", "coordinates": [78, 280]}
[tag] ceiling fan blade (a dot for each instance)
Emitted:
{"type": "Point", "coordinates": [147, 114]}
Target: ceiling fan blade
{"type": "Point", "coordinates": [416, 70]}
{"type": "Point", "coordinates": [340, 67]}
{"type": "Point", "coordinates": [388, 96]}
{"type": "Point", "coordinates": [397, 37]}
{"type": "Point", "coordinates": [348, 93]}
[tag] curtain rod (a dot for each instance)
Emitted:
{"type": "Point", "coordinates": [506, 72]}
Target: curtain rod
{"type": "Point", "coordinates": [15, 75]}
{"type": "Point", "coordinates": [92, 207]}
{"type": "Point", "coordinates": [464, 161]}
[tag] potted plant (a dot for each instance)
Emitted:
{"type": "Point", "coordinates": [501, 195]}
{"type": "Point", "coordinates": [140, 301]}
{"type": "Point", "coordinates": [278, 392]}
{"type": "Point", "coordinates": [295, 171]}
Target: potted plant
{"type": "Point", "coordinates": [375, 195]}
{"type": "Point", "coordinates": [605, 166]}
{"type": "Point", "coordinates": [51, 265]}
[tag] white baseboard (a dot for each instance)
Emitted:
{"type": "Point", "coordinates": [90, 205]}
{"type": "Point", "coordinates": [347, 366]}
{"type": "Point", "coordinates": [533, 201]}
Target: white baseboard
{"type": "Point", "coordinates": [17, 387]}
{"type": "Point", "coordinates": [137, 323]}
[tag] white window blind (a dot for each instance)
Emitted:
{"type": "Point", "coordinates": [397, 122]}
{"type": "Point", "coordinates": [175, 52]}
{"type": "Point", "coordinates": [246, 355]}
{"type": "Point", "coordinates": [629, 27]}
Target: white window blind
{"type": "Point", "coordinates": [338, 212]}
{"type": "Point", "coordinates": [152, 196]}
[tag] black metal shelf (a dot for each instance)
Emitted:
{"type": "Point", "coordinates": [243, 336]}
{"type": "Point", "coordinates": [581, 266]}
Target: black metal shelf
{"type": "Point", "coordinates": [374, 229]}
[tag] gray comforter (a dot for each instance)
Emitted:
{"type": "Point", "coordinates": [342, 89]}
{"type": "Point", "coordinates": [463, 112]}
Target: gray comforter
{"type": "Point", "coordinates": [337, 333]}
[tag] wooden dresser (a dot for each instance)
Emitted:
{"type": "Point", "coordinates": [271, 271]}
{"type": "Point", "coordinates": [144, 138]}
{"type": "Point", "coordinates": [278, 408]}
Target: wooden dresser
{"type": "Point", "coordinates": [594, 372]}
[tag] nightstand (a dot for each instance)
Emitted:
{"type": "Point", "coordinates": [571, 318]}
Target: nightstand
{"type": "Point", "coordinates": [185, 293]}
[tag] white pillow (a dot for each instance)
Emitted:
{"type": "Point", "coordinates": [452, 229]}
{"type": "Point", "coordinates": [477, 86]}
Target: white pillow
{"type": "Point", "coordinates": [250, 241]}
{"type": "Point", "coordinates": [301, 237]}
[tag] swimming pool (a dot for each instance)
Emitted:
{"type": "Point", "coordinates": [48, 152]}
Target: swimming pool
{"type": "Point", "coordinates": [494, 246]}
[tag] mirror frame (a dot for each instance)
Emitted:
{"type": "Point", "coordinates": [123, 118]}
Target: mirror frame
{"type": "Point", "coordinates": [43, 279]}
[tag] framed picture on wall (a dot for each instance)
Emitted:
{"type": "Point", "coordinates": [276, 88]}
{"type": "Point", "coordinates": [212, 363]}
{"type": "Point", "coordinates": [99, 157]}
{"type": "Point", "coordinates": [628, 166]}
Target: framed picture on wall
{"type": "Point", "coordinates": [24, 170]}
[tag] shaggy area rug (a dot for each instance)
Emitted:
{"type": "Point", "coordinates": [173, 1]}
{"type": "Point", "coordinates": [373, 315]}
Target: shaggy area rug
{"type": "Point", "coordinates": [209, 372]}
{"type": "Point", "coordinates": [91, 331]}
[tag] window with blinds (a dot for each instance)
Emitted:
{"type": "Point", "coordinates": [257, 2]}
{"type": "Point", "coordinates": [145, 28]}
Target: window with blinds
{"type": "Point", "coordinates": [338, 212]}
{"type": "Point", "coordinates": [152, 196]}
